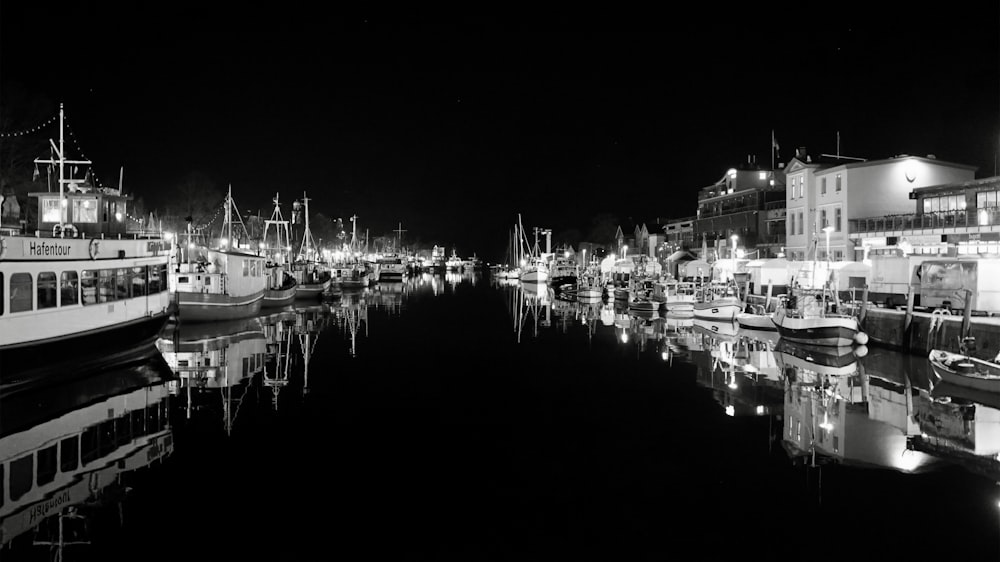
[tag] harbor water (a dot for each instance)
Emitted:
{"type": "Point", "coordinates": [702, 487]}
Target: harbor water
{"type": "Point", "coordinates": [457, 417]}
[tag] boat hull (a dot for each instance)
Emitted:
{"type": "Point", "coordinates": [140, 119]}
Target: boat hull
{"type": "Point", "coordinates": [26, 361]}
{"type": "Point", "coordinates": [833, 331]}
{"type": "Point", "coordinates": [275, 298]}
{"type": "Point", "coordinates": [717, 309]}
{"type": "Point", "coordinates": [311, 290]}
{"type": "Point", "coordinates": [208, 307]}
{"type": "Point", "coordinates": [756, 321]}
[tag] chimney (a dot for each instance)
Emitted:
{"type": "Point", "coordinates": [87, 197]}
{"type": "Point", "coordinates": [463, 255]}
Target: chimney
{"type": "Point", "coordinates": [800, 152]}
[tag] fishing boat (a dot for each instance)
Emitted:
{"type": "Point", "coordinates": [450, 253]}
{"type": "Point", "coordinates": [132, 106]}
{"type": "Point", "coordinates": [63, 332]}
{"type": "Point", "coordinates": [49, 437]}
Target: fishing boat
{"type": "Point", "coordinates": [281, 284]}
{"type": "Point", "coordinates": [390, 267]}
{"type": "Point", "coordinates": [218, 280]}
{"type": "Point", "coordinates": [311, 274]}
{"type": "Point", "coordinates": [563, 273]}
{"type": "Point", "coordinates": [589, 285]}
{"type": "Point", "coordinates": [534, 265]}
{"type": "Point", "coordinates": [805, 316]}
{"type": "Point", "coordinates": [716, 304]}
{"type": "Point", "coordinates": [963, 370]}
{"type": "Point", "coordinates": [82, 276]}
{"type": "Point", "coordinates": [674, 296]}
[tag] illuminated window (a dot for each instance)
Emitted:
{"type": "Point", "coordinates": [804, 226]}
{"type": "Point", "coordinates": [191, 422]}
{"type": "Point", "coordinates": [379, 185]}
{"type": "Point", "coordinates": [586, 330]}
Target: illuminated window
{"type": "Point", "coordinates": [85, 210]}
{"type": "Point", "coordinates": [88, 287]}
{"type": "Point", "coordinates": [50, 210]}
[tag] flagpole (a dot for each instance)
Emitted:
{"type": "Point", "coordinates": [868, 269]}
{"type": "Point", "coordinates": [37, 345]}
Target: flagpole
{"type": "Point", "coordinates": [772, 149]}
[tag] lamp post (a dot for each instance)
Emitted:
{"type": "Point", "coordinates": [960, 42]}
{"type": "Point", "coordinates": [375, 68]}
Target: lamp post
{"type": "Point", "coordinates": [734, 238]}
{"type": "Point", "coordinates": [827, 230]}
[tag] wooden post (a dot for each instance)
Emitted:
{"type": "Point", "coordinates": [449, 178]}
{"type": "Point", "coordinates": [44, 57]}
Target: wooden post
{"type": "Point", "coordinates": [967, 314]}
{"type": "Point", "coordinates": [864, 306]}
{"type": "Point", "coordinates": [908, 320]}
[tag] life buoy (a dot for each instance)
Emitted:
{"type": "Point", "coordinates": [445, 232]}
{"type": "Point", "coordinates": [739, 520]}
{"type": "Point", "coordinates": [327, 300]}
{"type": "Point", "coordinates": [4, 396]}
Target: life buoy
{"type": "Point", "coordinates": [69, 230]}
{"type": "Point", "coordinates": [57, 230]}
{"type": "Point", "coordinates": [93, 248]}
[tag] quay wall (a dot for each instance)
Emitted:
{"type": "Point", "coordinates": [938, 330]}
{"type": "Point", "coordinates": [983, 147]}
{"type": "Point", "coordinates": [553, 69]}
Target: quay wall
{"type": "Point", "coordinates": [888, 328]}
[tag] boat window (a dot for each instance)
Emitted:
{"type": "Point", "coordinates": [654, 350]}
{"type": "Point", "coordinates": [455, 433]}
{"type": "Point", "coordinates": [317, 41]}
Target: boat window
{"type": "Point", "coordinates": [47, 463]}
{"type": "Point", "coordinates": [156, 275]}
{"type": "Point", "coordinates": [46, 289]}
{"type": "Point", "coordinates": [85, 210]}
{"type": "Point", "coordinates": [69, 287]}
{"type": "Point", "coordinates": [3, 482]}
{"type": "Point", "coordinates": [22, 473]}
{"type": "Point", "coordinates": [88, 286]}
{"type": "Point", "coordinates": [123, 430]}
{"type": "Point", "coordinates": [50, 210]}
{"type": "Point", "coordinates": [138, 281]}
{"type": "Point", "coordinates": [184, 279]}
{"type": "Point", "coordinates": [106, 441]}
{"type": "Point", "coordinates": [138, 423]}
{"type": "Point", "coordinates": [152, 419]}
{"type": "Point", "coordinates": [89, 442]}
{"type": "Point", "coordinates": [69, 453]}
{"type": "Point", "coordinates": [123, 284]}
{"type": "Point", "coordinates": [246, 268]}
{"type": "Point", "coordinates": [20, 292]}
{"type": "Point", "coordinates": [106, 286]}
{"type": "Point", "coordinates": [2, 300]}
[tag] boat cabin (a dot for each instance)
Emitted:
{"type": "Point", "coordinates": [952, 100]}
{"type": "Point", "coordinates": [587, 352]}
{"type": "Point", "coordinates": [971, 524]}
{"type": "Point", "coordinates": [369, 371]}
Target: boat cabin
{"type": "Point", "coordinates": [87, 212]}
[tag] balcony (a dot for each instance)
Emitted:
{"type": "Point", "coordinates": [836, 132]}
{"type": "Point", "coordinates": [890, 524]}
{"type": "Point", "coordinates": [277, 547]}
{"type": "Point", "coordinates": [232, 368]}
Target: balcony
{"type": "Point", "coordinates": [966, 220]}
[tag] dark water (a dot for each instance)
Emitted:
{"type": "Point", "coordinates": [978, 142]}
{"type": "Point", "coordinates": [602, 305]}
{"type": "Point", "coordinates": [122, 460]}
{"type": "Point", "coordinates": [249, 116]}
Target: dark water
{"type": "Point", "coordinates": [451, 417]}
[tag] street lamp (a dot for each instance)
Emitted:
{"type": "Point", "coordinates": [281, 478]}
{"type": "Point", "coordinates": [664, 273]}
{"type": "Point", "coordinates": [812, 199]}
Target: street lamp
{"type": "Point", "coordinates": [828, 229]}
{"type": "Point", "coordinates": [734, 238]}
{"type": "Point", "coordinates": [625, 251]}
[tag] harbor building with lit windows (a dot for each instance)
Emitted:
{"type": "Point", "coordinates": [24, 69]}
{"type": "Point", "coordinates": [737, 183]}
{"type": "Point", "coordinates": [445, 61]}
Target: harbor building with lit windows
{"type": "Point", "coordinates": [951, 219]}
{"type": "Point", "coordinates": [746, 202]}
{"type": "Point", "coordinates": [828, 196]}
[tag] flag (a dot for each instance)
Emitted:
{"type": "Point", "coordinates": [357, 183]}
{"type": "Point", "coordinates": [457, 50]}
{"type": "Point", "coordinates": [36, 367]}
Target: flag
{"type": "Point", "coordinates": [774, 144]}
{"type": "Point", "coordinates": [34, 176]}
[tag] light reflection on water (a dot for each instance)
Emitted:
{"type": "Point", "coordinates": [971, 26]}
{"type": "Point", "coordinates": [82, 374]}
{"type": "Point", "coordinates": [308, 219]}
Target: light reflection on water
{"type": "Point", "coordinates": [865, 408]}
{"type": "Point", "coordinates": [856, 406]}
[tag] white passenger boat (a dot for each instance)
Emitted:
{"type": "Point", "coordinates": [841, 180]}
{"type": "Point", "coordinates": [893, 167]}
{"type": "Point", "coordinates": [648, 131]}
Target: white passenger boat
{"type": "Point", "coordinates": [82, 276]}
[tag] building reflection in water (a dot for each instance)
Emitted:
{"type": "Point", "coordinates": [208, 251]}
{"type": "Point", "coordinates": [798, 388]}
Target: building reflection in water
{"type": "Point", "coordinates": [69, 448]}
{"type": "Point", "coordinates": [852, 406]}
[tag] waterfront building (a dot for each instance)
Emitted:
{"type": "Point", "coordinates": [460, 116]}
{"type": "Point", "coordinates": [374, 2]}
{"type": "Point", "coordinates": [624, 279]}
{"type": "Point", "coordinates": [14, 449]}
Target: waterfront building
{"type": "Point", "coordinates": [826, 193]}
{"type": "Point", "coordinates": [745, 202]}
{"type": "Point", "coordinates": [953, 219]}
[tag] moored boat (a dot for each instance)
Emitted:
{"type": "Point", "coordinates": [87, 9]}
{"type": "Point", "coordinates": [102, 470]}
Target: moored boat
{"type": "Point", "coordinates": [223, 282]}
{"type": "Point", "coordinates": [83, 279]}
{"type": "Point", "coordinates": [965, 371]}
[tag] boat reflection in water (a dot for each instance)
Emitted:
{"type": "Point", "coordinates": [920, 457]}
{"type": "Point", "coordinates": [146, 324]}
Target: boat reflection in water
{"type": "Point", "coordinates": [214, 360]}
{"type": "Point", "coordinates": [68, 450]}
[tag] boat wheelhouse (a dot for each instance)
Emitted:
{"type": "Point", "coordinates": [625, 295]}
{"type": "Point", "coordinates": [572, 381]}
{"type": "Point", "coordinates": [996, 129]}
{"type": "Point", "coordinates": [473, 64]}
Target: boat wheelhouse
{"type": "Point", "coordinates": [83, 276]}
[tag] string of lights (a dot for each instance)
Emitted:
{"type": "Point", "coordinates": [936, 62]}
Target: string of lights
{"type": "Point", "coordinates": [79, 149]}
{"type": "Point", "coordinates": [30, 130]}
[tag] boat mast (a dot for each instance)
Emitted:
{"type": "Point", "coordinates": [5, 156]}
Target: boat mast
{"type": "Point", "coordinates": [307, 240]}
{"type": "Point", "coordinates": [61, 163]}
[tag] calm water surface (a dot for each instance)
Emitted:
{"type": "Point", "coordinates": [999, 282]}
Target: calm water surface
{"type": "Point", "coordinates": [454, 417]}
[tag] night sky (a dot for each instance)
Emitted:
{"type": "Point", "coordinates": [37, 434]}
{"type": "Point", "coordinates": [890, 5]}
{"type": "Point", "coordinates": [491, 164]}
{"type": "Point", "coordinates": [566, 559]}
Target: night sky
{"type": "Point", "coordinates": [453, 125]}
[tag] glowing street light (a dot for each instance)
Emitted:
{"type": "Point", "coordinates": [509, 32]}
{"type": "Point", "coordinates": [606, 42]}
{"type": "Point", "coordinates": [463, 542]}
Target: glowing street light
{"type": "Point", "coordinates": [734, 238]}
{"type": "Point", "coordinates": [827, 230]}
